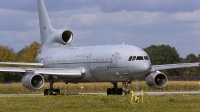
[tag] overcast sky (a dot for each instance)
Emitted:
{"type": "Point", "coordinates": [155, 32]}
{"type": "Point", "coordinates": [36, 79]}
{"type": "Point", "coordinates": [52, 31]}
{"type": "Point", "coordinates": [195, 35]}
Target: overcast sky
{"type": "Point", "coordinates": [99, 22]}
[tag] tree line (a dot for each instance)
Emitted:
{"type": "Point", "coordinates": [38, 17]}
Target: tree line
{"type": "Point", "coordinates": [159, 54]}
{"type": "Point", "coordinates": [165, 54]}
{"type": "Point", "coordinates": [27, 54]}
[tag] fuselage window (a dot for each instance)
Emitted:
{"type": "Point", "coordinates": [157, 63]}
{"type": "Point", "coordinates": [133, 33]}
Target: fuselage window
{"type": "Point", "coordinates": [139, 58]}
{"type": "Point", "coordinates": [146, 58]}
{"type": "Point", "coordinates": [130, 58]}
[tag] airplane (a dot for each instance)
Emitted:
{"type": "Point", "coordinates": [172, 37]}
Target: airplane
{"type": "Point", "coordinates": [58, 60]}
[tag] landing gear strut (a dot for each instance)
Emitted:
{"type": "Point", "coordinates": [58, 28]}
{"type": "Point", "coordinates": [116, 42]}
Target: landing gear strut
{"type": "Point", "coordinates": [125, 88]}
{"type": "Point", "coordinates": [51, 91]}
{"type": "Point", "coordinates": [115, 90]}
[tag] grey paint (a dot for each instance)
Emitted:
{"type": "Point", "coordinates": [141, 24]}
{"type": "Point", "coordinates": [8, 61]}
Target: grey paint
{"type": "Point", "coordinates": [108, 63]}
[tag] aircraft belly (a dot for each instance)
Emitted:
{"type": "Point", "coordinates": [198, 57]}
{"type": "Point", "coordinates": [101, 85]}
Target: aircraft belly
{"type": "Point", "coordinates": [98, 74]}
{"type": "Point", "coordinates": [109, 75]}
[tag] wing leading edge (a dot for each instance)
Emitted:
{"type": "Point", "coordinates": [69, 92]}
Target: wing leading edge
{"type": "Point", "coordinates": [76, 72]}
{"type": "Point", "coordinates": [173, 66]}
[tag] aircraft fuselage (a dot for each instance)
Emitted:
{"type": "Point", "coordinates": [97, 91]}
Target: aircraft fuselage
{"type": "Point", "coordinates": [106, 63]}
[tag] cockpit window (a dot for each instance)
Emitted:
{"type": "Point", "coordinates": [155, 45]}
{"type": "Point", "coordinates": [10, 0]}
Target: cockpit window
{"type": "Point", "coordinates": [146, 58]}
{"type": "Point", "coordinates": [139, 58]}
{"type": "Point", "coordinates": [132, 58]}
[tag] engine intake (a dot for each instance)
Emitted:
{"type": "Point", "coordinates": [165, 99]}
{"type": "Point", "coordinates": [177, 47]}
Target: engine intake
{"type": "Point", "coordinates": [33, 81]}
{"type": "Point", "coordinates": [67, 36]}
{"type": "Point", "coordinates": [156, 80]}
{"type": "Point", "coordinates": [62, 36]}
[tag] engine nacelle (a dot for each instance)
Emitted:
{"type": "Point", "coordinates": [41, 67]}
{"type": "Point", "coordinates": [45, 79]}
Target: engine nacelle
{"type": "Point", "coordinates": [63, 36]}
{"type": "Point", "coordinates": [33, 81]}
{"type": "Point", "coordinates": [156, 80]}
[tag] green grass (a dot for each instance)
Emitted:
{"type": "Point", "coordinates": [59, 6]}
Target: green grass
{"type": "Point", "coordinates": [16, 88]}
{"type": "Point", "coordinates": [84, 103]}
{"type": "Point", "coordinates": [90, 103]}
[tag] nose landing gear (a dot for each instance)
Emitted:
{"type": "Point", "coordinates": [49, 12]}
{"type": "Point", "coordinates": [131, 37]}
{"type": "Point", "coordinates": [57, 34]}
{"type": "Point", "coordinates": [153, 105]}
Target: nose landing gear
{"type": "Point", "coordinates": [125, 88]}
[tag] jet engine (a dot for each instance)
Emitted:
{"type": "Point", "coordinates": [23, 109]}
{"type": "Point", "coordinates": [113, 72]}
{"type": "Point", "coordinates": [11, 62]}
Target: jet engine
{"type": "Point", "coordinates": [156, 80]}
{"type": "Point", "coordinates": [33, 81]}
{"type": "Point", "coordinates": [63, 36]}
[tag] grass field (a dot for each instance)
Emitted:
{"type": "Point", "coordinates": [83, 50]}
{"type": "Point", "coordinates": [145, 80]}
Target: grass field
{"type": "Point", "coordinates": [61, 103]}
{"type": "Point", "coordinates": [16, 88]}
{"type": "Point", "coordinates": [100, 103]}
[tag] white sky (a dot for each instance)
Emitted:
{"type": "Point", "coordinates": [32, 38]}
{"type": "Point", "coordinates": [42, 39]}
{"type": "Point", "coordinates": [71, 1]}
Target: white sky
{"type": "Point", "coordinates": [98, 22]}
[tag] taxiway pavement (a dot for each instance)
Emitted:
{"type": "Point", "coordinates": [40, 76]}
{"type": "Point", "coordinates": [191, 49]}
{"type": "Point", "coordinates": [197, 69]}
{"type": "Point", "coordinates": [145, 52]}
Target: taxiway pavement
{"type": "Point", "coordinates": [137, 93]}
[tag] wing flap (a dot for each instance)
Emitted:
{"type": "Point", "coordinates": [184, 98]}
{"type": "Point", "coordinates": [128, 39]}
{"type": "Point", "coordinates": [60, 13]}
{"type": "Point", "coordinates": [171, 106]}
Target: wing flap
{"type": "Point", "coordinates": [75, 72]}
{"type": "Point", "coordinates": [173, 66]}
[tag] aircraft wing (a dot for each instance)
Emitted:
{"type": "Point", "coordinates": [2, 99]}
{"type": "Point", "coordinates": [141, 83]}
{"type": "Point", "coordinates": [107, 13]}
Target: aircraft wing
{"type": "Point", "coordinates": [173, 66]}
{"type": "Point", "coordinates": [22, 64]}
{"type": "Point", "coordinates": [76, 72]}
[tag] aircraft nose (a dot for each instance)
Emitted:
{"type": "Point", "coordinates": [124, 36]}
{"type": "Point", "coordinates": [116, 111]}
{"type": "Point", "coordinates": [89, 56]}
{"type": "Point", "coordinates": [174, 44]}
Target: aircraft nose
{"type": "Point", "coordinates": [146, 66]}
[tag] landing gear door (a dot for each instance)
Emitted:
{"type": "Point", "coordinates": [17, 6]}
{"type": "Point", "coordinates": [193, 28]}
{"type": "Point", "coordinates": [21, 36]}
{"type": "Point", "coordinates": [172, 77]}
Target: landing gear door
{"type": "Point", "coordinates": [114, 60]}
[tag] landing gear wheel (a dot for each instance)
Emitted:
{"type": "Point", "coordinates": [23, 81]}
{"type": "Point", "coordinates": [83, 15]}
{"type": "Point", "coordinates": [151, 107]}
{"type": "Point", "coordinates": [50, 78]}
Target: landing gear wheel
{"type": "Point", "coordinates": [51, 92]}
{"type": "Point", "coordinates": [108, 91]}
{"type": "Point", "coordinates": [57, 91]}
{"type": "Point", "coordinates": [46, 92]}
{"type": "Point", "coordinates": [120, 90]}
{"type": "Point", "coordinates": [115, 90]}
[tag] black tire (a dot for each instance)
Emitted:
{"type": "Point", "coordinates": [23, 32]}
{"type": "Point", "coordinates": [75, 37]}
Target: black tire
{"type": "Point", "coordinates": [46, 92]}
{"type": "Point", "coordinates": [120, 90]}
{"type": "Point", "coordinates": [57, 91]}
{"type": "Point", "coordinates": [108, 91]}
{"type": "Point", "coordinates": [50, 92]}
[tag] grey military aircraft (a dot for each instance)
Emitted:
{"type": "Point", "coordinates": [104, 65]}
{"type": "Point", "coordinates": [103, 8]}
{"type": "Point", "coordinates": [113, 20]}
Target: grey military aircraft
{"type": "Point", "coordinates": [105, 63]}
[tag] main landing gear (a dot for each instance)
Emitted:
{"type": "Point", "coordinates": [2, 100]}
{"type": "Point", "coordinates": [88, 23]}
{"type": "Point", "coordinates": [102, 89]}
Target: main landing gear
{"type": "Point", "coordinates": [118, 91]}
{"type": "Point", "coordinates": [51, 91]}
{"type": "Point", "coordinates": [115, 90]}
